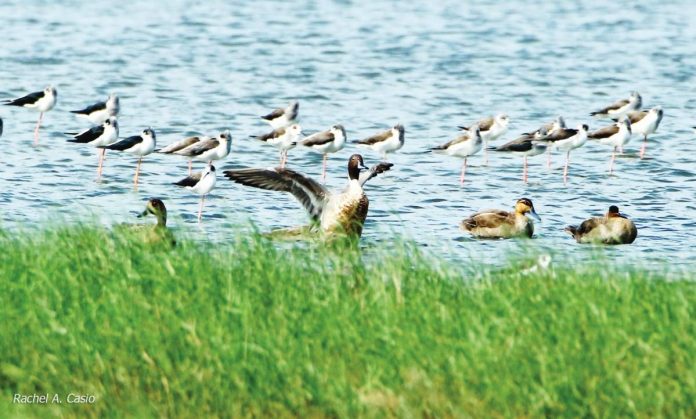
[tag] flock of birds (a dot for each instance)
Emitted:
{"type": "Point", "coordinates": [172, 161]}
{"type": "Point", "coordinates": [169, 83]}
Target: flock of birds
{"type": "Point", "coordinates": [346, 211]}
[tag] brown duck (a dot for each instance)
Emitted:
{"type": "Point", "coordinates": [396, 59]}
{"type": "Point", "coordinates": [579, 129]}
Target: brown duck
{"type": "Point", "coordinates": [499, 224]}
{"type": "Point", "coordinates": [613, 228]}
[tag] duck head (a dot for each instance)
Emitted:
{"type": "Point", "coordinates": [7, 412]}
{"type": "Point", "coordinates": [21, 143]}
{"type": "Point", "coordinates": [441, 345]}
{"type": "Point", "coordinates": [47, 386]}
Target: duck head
{"type": "Point", "coordinates": [524, 206]}
{"type": "Point", "coordinates": [156, 207]}
{"type": "Point", "coordinates": [355, 164]}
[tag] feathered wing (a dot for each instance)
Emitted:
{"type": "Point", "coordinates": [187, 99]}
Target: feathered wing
{"type": "Point", "coordinates": [92, 108]}
{"type": "Point", "coordinates": [378, 138]}
{"type": "Point", "coordinates": [320, 138]}
{"type": "Point", "coordinates": [605, 132]}
{"type": "Point", "coordinates": [311, 194]}
{"type": "Point", "coordinates": [190, 181]}
{"type": "Point", "coordinates": [179, 145]}
{"type": "Point", "coordinates": [374, 171]}
{"type": "Point", "coordinates": [484, 124]}
{"type": "Point", "coordinates": [200, 147]}
{"type": "Point", "coordinates": [521, 144]}
{"type": "Point", "coordinates": [613, 106]}
{"type": "Point", "coordinates": [449, 144]}
{"type": "Point", "coordinates": [275, 113]}
{"type": "Point", "coordinates": [125, 144]}
{"type": "Point", "coordinates": [29, 99]}
{"type": "Point", "coordinates": [486, 219]}
{"type": "Point", "coordinates": [88, 135]}
{"type": "Point", "coordinates": [271, 135]}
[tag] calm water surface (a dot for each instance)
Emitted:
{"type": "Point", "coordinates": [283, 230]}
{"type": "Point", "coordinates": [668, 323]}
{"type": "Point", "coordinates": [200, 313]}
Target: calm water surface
{"type": "Point", "coordinates": [187, 67]}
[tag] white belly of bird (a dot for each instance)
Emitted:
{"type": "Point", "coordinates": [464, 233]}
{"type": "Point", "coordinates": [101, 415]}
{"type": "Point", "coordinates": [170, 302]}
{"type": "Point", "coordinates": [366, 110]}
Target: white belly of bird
{"type": "Point", "coordinates": [339, 204]}
{"type": "Point", "coordinates": [389, 145]}
{"type": "Point", "coordinates": [97, 117]}
{"type": "Point", "coordinates": [44, 104]}
{"type": "Point", "coordinates": [464, 149]}
{"type": "Point", "coordinates": [534, 151]}
{"type": "Point", "coordinates": [144, 148]}
{"type": "Point", "coordinates": [494, 133]}
{"type": "Point", "coordinates": [281, 122]}
{"type": "Point", "coordinates": [577, 140]}
{"type": "Point", "coordinates": [205, 185]}
{"type": "Point", "coordinates": [109, 136]}
{"type": "Point", "coordinates": [617, 140]}
{"type": "Point", "coordinates": [645, 126]}
{"type": "Point", "coordinates": [618, 113]}
{"type": "Point", "coordinates": [217, 153]}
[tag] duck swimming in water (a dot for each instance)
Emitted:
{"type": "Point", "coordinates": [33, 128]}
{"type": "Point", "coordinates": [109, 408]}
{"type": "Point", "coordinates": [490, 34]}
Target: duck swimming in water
{"type": "Point", "coordinates": [499, 224]}
{"type": "Point", "coordinates": [612, 228]}
{"type": "Point", "coordinates": [157, 233]}
{"type": "Point", "coordinates": [343, 212]}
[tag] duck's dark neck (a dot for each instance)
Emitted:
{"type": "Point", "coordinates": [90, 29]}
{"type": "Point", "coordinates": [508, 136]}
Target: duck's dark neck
{"type": "Point", "coordinates": [353, 172]}
{"type": "Point", "coordinates": [161, 220]}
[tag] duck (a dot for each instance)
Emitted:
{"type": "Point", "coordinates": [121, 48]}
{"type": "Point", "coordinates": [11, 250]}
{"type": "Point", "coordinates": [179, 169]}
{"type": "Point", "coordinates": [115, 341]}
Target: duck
{"type": "Point", "coordinates": [612, 228]}
{"type": "Point", "coordinates": [492, 128]}
{"type": "Point", "coordinates": [284, 138]}
{"type": "Point", "coordinates": [283, 117]}
{"type": "Point", "coordinates": [567, 139]}
{"type": "Point", "coordinates": [138, 145]}
{"type": "Point", "coordinates": [42, 101]}
{"type": "Point", "coordinates": [620, 107]}
{"type": "Point", "coordinates": [101, 135]}
{"type": "Point", "coordinates": [325, 142]}
{"type": "Point", "coordinates": [331, 212]}
{"type": "Point", "coordinates": [158, 233]}
{"type": "Point", "coordinates": [100, 111]}
{"type": "Point", "coordinates": [385, 142]}
{"type": "Point", "coordinates": [645, 122]}
{"type": "Point", "coordinates": [616, 135]}
{"type": "Point", "coordinates": [464, 146]}
{"type": "Point", "coordinates": [200, 183]}
{"type": "Point", "coordinates": [527, 145]}
{"type": "Point", "coordinates": [500, 224]}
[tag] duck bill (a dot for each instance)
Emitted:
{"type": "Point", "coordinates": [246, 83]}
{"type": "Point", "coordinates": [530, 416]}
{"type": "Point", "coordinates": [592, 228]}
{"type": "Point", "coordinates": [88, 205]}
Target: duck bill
{"type": "Point", "coordinates": [535, 215]}
{"type": "Point", "coordinates": [143, 214]}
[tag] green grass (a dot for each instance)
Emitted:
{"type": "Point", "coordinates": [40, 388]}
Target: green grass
{"type": "Point", "coordinates": [253, 329]}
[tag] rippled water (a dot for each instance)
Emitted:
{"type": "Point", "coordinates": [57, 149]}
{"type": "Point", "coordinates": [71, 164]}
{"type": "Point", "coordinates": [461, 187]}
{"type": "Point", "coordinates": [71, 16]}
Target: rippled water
{"type": "Point", "coordinates": [186, 67]}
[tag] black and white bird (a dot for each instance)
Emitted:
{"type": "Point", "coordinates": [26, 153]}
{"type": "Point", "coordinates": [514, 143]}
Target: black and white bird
{"type": "Point", "coordinates": [645, 123]}
{"type": "Point", "coordinates": [325, 142]}
{"type": "Point", "coordinates": [98, 136]}
{"type": "Point", "coordinates": [385, 142]}
{"type": "Point", "coordinates": [620, 108]}
{"type": "Point", "coordinates": [548, 128]}
{"type": "Point", "coordinates": [283, 117]}
{"type": "Point", "coordinates": [209, 149]}
{"type": "Point", "coordinates": [615, 135]}
{"type": "Point", "coordinates": [492, 128]}
{"type": "Point", "coordinates": [182, 144]}
{"type": "Point", "coordinates": [42, 101]}
{"type": "Point", "coordinates": [284, 139]}
{"type": "Point", "coordinates": [464, 146]}
{"type": "Point", "coordinates": [567, 139]}
{"type": "Point", "coordinates": [200, 183]}
{"type": "Point", "coordinates": [100, 111]}
{"type": "Point", "coordinates": [137, 145]}
{"type": "Point", "coordinates": [333, 212]}
{"type": "Point", "coordinates": [527, 145]}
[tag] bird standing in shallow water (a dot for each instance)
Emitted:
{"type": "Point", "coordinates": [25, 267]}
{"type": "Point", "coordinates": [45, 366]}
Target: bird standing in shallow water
{"type": "Point", "coordinates": [613, 228]}
{"type": "Point", "coordinates": [200, 183]}
{"type": "Point", "coordinates": [42, 101]}
{"type": "Point", "coordinates": [645, 123]}
{"type": "Point", "coordinates": [342, 213]}
{"type": "Point", "coordinates": [567, 139]}
{"type": "Point", "coordinates": [615, 135]}
{"type": "Point", "coordinates": [499, 224]}
{"type": "Point", "coordinates": [208, 150]}
{"type": "Point", "coordinates": [385, 142]}
{"type": "Point", "coordinates": [284, 138]}
{"type": "Point", "coordinates": [526, 146]}
{"type": "Point", "coordinates": [138, 145]}
{"type": "Point", "coordinates": [99, 136]}
{"type": "Point", "coordinates": [100, 111]}
{"type": "Point", "coordinates": [464, 146]}
{"type": "Point", "coordinates": [180, 145]}
{"type": "Point", "coordinates": [620, 108]}
{"type": "Point", "coordinates": [325, 142]}
{"type": "Point", "coordinates": [283, 117]}
{"type": "Point", "coordinates": [492, 128]}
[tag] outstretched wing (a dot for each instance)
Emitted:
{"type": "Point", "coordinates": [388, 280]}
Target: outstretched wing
{"type": "Point", "coordinates": [311, 194]}
{"type": "Point", "coordinates": [374, 171]}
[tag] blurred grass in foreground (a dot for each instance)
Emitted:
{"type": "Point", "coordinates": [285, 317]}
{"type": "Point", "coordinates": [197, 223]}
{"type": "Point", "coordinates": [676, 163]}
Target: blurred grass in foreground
{"type": "Point", "coordinates": [254, 329]}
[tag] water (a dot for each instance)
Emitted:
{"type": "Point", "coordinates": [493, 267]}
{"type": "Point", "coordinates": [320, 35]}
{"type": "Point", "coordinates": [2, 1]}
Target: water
{"type": "Point", "coordinates": [189, 67]}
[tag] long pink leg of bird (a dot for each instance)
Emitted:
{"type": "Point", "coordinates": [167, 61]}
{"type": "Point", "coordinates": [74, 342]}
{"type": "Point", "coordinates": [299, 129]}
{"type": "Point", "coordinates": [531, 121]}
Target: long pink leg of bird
{"type": "Point", "coordinates": [485, 152]}
{"type": "Point", "coordinates": [137, 173]}
{"type": "Point", "coordinates": [461, 178]}
{"type": "Point", "coordinates": [565, 169]}
{"type": "Point", "coordinates": [643, 146]}
{"type": "Point", "coordinates": [200, 209]}
{"type": "Point", "coordinates": [611, 162]}
{"type": "Point", "coordinates": [36, 130]}
{"type": "Point", "coordinates": [323, 169]}
{"type": "Point", "coordinates": [548, 159]}
{"type": "Point", "coordinates": [102, 155]}
{"type": "Point", "coordinates": [190, 167]}
{"type": "Point", "coordinates": [524, 172]}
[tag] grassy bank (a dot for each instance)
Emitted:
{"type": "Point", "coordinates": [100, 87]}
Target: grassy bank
{"type": "Point", "coordinates": [249, 329]}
